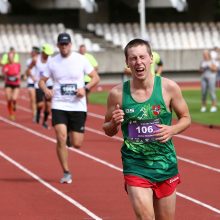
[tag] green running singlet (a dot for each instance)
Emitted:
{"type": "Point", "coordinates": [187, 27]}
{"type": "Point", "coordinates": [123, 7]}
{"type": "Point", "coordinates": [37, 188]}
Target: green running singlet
{"type": "Point", "coordinates": [141, 154]}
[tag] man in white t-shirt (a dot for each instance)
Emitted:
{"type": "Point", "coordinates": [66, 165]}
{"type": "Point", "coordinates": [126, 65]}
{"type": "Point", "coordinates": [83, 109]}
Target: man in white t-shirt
{"type": "Point", "coordinates": [39, 63]}
{"type": "Point", "coordinates": [67, 70]}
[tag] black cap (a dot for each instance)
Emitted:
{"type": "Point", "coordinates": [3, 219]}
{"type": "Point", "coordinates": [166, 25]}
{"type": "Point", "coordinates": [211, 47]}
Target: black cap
{"type": "Point", "coordinates": [36, 49]}
{"type": "Point", "coordinates": [63, 38]}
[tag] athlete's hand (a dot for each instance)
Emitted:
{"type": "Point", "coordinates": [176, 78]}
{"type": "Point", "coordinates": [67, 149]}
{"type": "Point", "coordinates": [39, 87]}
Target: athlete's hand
{"type": "Point", "coordinates": [117, 115]}
{"type": "Point", "coordinates": [164, 133]}
{"type": "Point", "coordinates": [80, 92]}
{"type": "Point", "coordinates": [48, 93]}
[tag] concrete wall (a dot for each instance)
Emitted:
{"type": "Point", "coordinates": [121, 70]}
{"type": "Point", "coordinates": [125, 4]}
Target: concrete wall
{"type": "Point", "coordinates": [174, 60]}
{"type": "Point", "coordinates": [113, 61]}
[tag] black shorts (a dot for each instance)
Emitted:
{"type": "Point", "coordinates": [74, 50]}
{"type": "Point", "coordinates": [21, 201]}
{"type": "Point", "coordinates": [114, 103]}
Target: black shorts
{"type": "Point", "coordinates": [40, 97]}
{"type": "Point", "coordinates": [30, 85]}
{"type": "Point", "coordinates": [12, 86]}
{"type": "Point", "coordinates": [75, 121]}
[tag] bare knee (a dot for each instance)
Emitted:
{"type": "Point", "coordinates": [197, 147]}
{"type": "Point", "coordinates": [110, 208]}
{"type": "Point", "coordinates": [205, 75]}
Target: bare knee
{"type": "Point", "coordinates": [77, 144]}
{"type": "Point", "coordinates": [61, 139]}
{"type": "Point", "coordinates": [77, 139]}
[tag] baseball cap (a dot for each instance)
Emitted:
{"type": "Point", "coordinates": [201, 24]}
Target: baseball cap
{"type": "Point", "coordinates": [63, 38]}
{"type": "Point", "coordinates": [47, 49]}
{"type": "Point", "coordinates": [36, 49]}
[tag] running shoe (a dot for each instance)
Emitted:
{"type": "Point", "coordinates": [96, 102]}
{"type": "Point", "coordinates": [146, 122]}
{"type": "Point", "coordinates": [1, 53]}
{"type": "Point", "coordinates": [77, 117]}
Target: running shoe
{"type": "Point", "coordinates": [213, 109]}
{"type": "Point", "coordinates": [203, 109]}
{"type": "Point", "coordinates": [67, 178]}
{"type": "Point", "coordinates": [45, 125]}
{"type": "Point", "coordinates": [12, 117]}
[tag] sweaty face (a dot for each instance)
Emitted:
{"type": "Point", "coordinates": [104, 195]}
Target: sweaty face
{"type": "Point", "coordinates": [65, 49]}
{"type": "Point", "coordinates": [139, 61]}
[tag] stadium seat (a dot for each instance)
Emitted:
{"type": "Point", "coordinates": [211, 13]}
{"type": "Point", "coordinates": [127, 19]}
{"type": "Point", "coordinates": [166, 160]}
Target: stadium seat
{"type": "Point", "coordinates": [24, 36]}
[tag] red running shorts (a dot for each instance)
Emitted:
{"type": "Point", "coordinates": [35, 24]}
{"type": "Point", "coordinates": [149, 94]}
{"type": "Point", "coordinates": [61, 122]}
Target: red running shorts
{"type": "Point", "coordinates": [160, 189]}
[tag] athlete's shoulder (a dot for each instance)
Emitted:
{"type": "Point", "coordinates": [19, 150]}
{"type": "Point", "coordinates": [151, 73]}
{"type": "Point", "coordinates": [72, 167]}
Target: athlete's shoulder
{"type": "Point", "coordinates": [169, 85]}
{"type": "Point", "coordinates": [116, 90]}
{"type": "Point", "coordinates": [115, 95]}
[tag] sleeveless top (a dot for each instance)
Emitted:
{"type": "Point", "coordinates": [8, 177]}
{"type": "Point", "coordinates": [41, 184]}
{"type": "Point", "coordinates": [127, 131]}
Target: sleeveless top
{"type": "Point", "coordinates": [142, 155]}
{"type": "Point", "coordinates": [12, 74]}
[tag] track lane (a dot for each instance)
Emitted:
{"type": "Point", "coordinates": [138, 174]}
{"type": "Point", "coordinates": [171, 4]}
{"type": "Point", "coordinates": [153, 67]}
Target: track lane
{"type": "Point", "coordinates": [112, 146]}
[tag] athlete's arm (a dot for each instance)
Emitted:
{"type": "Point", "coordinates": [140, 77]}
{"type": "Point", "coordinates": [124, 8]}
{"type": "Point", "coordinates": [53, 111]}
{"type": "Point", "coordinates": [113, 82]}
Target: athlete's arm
{"type": "Point", "coordinates": [32, 64]}
{"type": "Point", "coordinates": [178, 104]}
{"type": "Point", "coordinates": [42, 85]}
{"type": "Point", "coordinates": [114, 115]}
{"type": "Point", "coordinates": [95, 79]}
{"type": "Point", "coordinates": [159, 67]}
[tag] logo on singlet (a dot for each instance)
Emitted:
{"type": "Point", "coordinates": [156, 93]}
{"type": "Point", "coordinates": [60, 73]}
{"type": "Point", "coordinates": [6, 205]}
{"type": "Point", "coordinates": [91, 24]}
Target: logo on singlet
{"type": "Point", "coordinates": [129, 110]}
{"type": "Point", "coordinates": [156, 109]}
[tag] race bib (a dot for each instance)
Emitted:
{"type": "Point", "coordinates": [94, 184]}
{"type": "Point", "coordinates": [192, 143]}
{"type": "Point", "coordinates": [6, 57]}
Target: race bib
{"type": "Point", "coordinates": [68, 89]}
{"type": "Point", "coordinates": [143, 131]}
{"type": "Point", "coordinates": [12, 78]}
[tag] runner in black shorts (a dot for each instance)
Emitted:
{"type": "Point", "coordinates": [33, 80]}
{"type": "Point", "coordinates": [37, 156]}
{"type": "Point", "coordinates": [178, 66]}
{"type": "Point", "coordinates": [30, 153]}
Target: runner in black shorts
{"type": "Point", "coordinates": [40, 65]}
{"type": "Point", "coordinates": [75, 121]}
{"type": "Point", "coordinates": [69, 107]}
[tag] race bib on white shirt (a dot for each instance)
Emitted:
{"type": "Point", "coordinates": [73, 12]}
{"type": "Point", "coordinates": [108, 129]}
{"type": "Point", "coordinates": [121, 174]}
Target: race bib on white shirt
{"type": "Point", "coordinates": [68, 76]}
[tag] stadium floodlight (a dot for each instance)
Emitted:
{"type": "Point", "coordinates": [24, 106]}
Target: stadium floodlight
{"type": "Point", "coordinates": [4, 6]}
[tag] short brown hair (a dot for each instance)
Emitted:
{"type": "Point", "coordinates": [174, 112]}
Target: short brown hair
{"type": "Point", "coordinates": [136, 42]}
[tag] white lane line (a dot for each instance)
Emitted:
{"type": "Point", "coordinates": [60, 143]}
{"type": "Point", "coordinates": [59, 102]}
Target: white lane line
{"type": "Point", "coordinates": [179, 135]}
{"type": "Point", "coordinates": [196, 140]}
{"type": "Point", "coordinates": [120, 139]}
{"type": "Point", "coordinates": [199, 164]}
{"type": "Point", "coordinates": [111, 165]}
{"type": "Point", "coordinates": [199, 141]}
{"type": "Point", "coordinates": [213, 209]}
{"type": "Point", "coordinates": [180, 158]}
{"type": "Point", "coordinates": [55, 190]}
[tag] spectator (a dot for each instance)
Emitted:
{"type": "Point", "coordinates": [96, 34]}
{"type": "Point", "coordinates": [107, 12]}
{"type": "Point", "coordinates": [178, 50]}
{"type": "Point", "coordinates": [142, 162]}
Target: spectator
{"type": "Point", "coordinates": [209, 68]}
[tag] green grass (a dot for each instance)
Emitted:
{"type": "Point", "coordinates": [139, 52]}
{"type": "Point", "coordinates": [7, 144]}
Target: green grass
{"type": "Point", "coordinates": [193, 99]}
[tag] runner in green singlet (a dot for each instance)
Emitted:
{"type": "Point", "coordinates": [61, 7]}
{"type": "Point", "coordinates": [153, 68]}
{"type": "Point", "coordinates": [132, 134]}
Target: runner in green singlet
{"type": "Point", "coordinates": [143, 108]}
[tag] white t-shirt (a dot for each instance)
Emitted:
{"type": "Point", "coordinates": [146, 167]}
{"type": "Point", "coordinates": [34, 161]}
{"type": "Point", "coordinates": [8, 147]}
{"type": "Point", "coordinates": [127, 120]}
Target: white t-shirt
{"type": "Point", "coordinates": [40, 69]}
{"type": "Point", "coordinates": [33, 71]}
{"type": "Point", "coordinates": [68, 74]}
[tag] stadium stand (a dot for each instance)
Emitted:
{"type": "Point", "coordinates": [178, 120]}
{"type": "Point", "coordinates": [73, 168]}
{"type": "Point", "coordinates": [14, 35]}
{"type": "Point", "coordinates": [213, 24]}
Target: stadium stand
{"type": "Point", "coordinates": [24, 36]}
{"type": "Point", "coordinates": [163, 36]}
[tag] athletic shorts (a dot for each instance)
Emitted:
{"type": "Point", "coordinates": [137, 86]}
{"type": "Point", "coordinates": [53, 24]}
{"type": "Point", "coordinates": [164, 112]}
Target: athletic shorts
{"type": "Point", "coordinates": [75, 121]}
{"type": "Point", "coordinates": [12, 86]}
{"type": "Point", "coordinates": [40, 97]}
{"type": "Point", "coordinates": [160, 189]}
{"type": "Point", "coordinates": [30, 85]}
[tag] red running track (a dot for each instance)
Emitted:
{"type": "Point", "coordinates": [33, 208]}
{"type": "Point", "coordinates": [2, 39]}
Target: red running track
{"type": "Point", "coordinates": [30, 172]}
